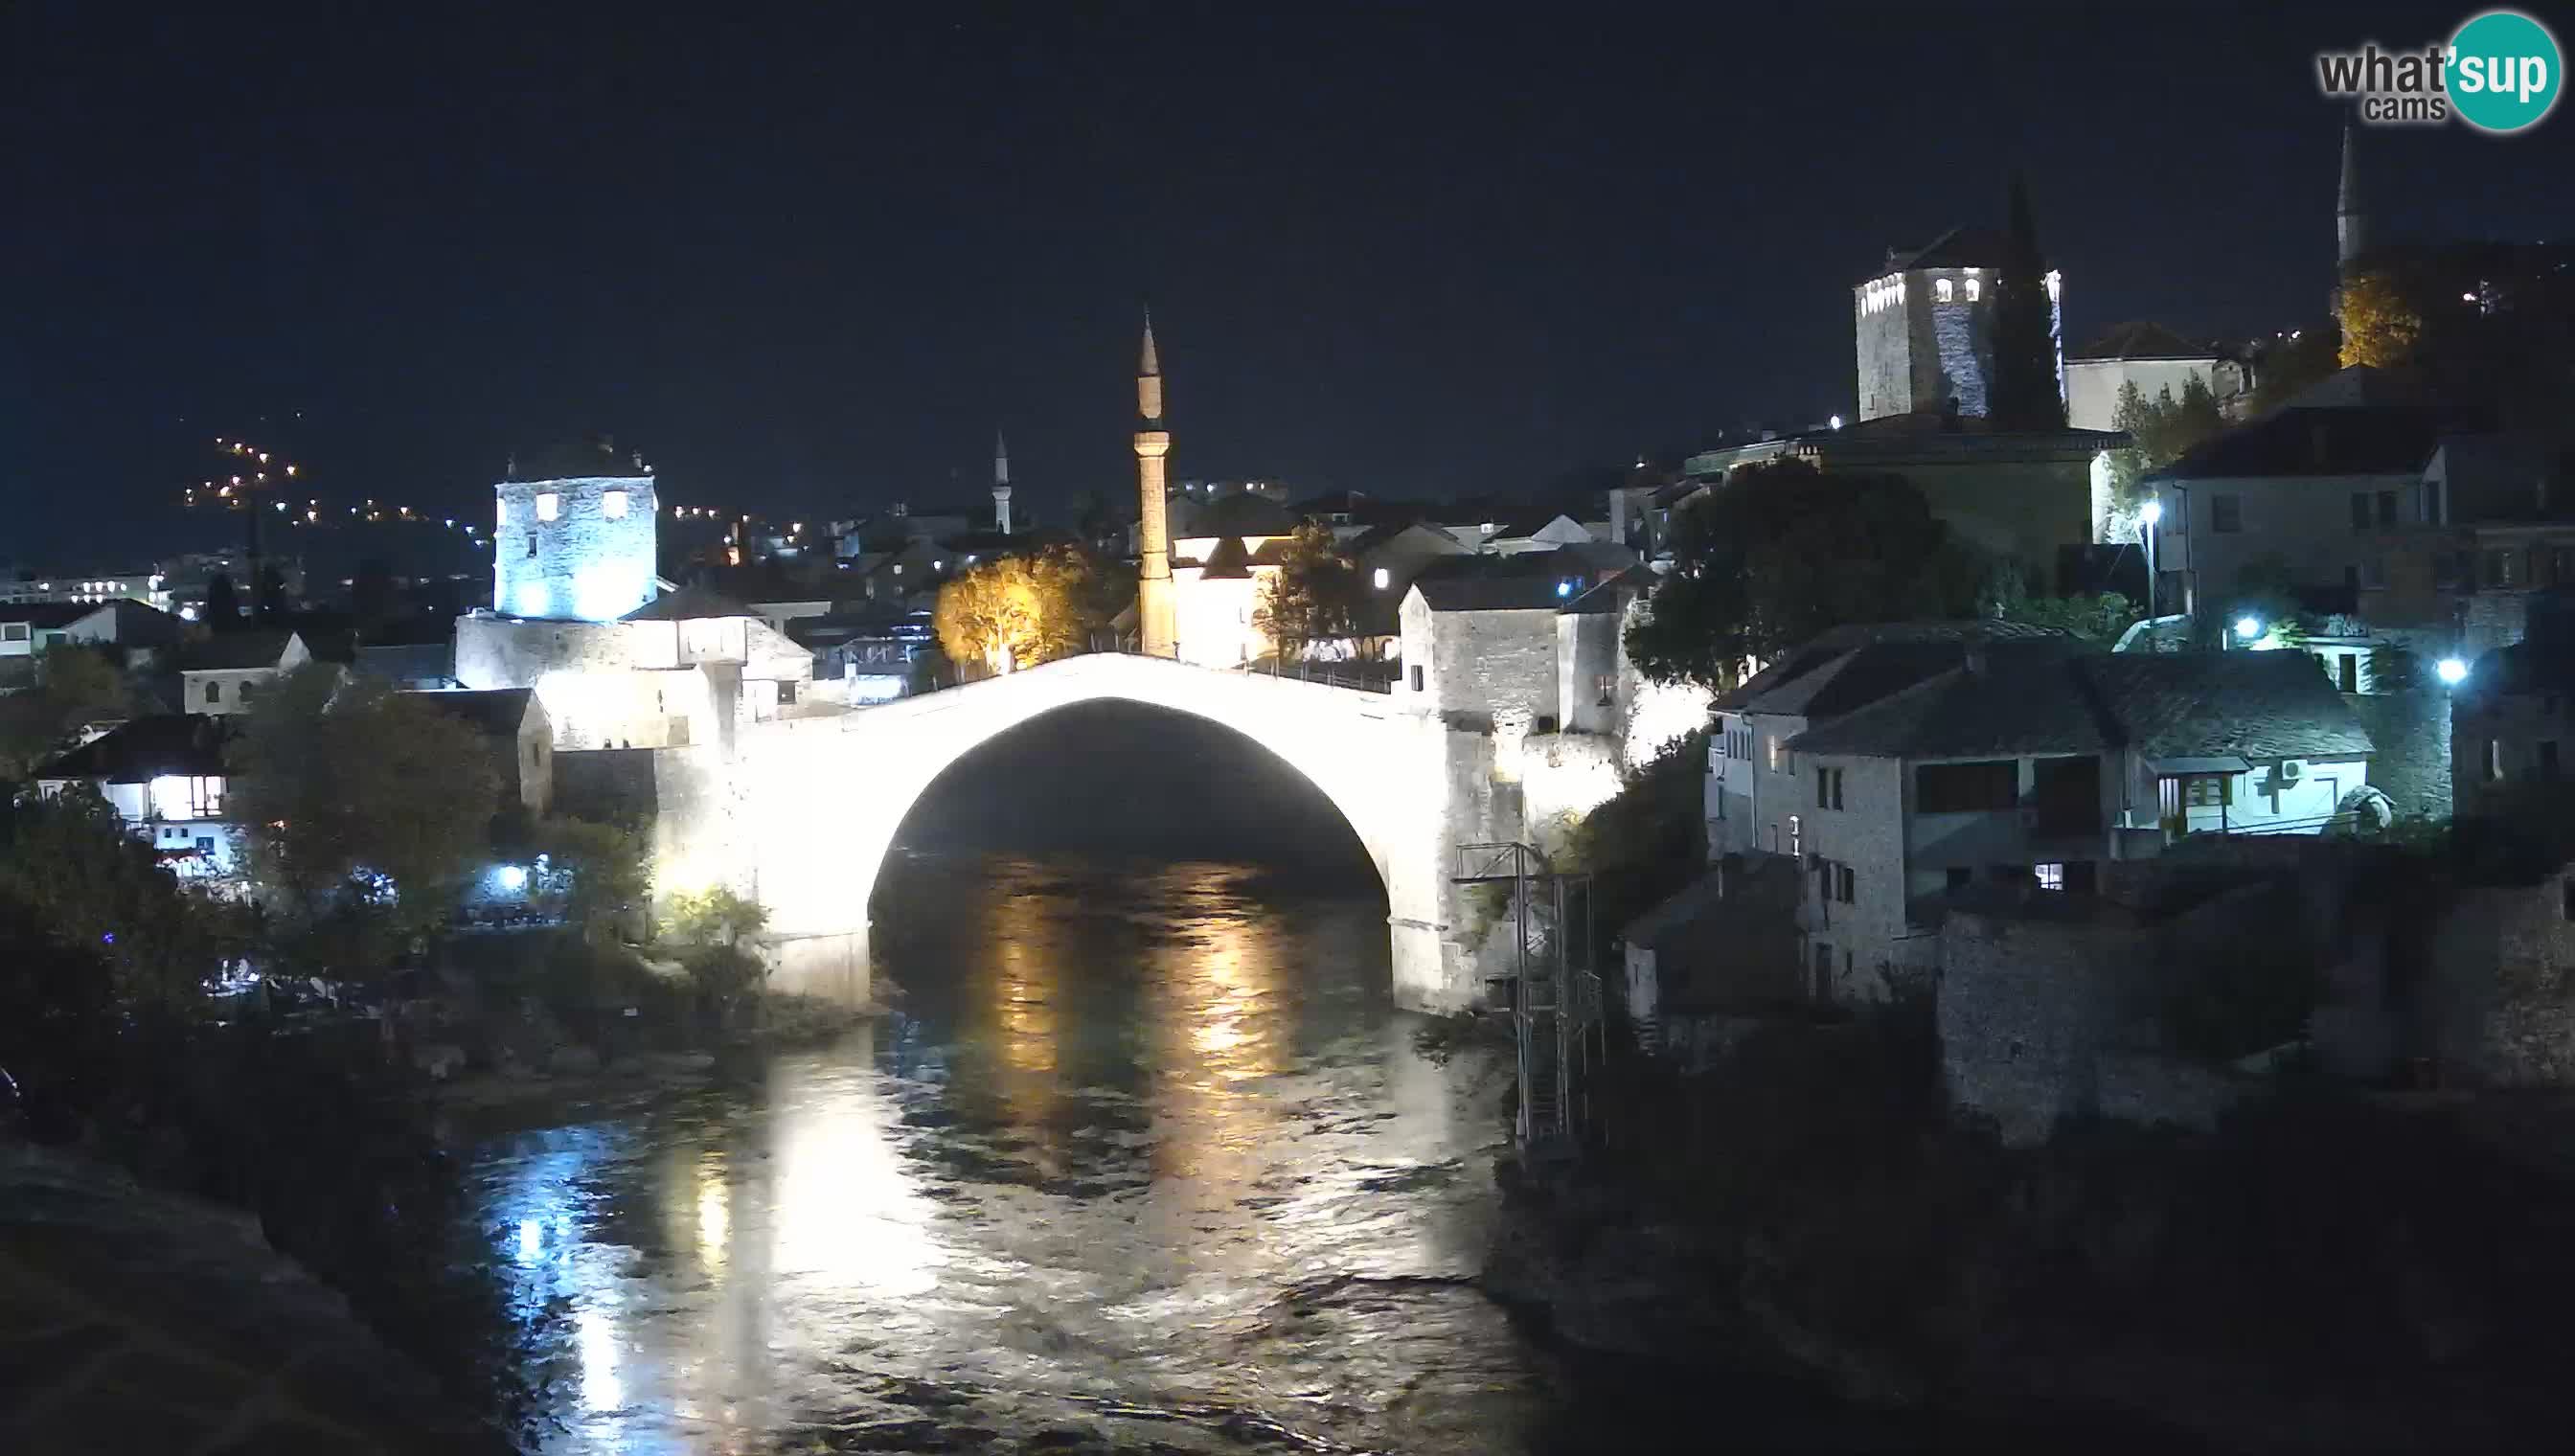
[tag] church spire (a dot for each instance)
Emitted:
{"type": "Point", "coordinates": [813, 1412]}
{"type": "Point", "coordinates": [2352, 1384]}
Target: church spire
{"type": "Point", "coordinates": [2351, 215]}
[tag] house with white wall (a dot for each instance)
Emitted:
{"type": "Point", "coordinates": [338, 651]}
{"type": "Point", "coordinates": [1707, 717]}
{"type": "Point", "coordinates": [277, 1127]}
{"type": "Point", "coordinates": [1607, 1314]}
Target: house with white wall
{"type": "Point", "coordinates": [166, 776]}
{"type": "Point", "coordinates": [2153, 358]}
{"type": "Point", "coordinates": [1483, 647]}
{"type": "Point", "coordinates": [223, 673]}
{"type": "Point", "coordinates": [28, 628]}
{"type": "Point", "coordinates": [2028, 766]}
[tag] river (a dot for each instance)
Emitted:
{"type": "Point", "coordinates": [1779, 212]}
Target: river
{"type": "Point", "coordinates": [1147, 1162]}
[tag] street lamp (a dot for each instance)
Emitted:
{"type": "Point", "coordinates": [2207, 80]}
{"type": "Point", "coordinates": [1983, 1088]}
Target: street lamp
{"type": "Point", "coordinates": [2248, 628]}
{"type": "Point", "coordinates": [2153, 514]}
{"type": "Point", "coordinates": [2451, 670]}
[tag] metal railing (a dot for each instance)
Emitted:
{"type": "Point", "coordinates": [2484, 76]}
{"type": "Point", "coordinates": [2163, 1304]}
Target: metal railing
{"type": "Point", "coordinates": [1329, 676]}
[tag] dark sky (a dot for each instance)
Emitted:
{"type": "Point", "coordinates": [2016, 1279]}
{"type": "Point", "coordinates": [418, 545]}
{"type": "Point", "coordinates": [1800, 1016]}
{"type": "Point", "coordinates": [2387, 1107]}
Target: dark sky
{"type": "Point", "coordinates": [808, 257]}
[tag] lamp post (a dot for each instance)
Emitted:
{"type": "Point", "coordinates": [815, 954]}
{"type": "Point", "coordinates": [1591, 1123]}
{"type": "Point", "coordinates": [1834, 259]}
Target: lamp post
{"type": "Point", "coordinates": [2151, 515]}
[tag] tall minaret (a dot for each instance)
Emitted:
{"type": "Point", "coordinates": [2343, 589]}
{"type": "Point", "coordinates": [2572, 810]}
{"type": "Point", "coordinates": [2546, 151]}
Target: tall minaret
{"type": "Point", "coordinates": [1155, 620]}
{"type": "Point", "coordinates": [1001, 482]}
{"type": "Point", "coordinates": [2351, 217]}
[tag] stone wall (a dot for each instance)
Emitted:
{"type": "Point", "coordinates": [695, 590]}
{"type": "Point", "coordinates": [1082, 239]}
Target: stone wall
{"type": "Point", "coordinates": [2412, 763]}
{"type": "Point", "coordinates": [1885, 356]}
{"type": "Point", "coordinates": [584, 562]}
{"type": "Point", "coordinates": [2500, 995]}
{"type": "Point", "coordinates": [1965, 354]}
{"type": "Point", "coordinates": [1486, 662]}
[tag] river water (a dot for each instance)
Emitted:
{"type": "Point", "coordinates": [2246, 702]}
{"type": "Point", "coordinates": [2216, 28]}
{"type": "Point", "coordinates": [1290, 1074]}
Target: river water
{"type": "Point", "coordinates": [1149, 1161]}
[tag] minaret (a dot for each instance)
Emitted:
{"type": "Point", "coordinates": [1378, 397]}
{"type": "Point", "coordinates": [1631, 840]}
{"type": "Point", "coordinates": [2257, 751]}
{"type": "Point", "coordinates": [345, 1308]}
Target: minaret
{"type": "Point", "coordinates": [1001, 482]}
{"type": "Point", "coordinates": [1155, 622]}
{"type": "Point", "coordinates": [2351, 219]}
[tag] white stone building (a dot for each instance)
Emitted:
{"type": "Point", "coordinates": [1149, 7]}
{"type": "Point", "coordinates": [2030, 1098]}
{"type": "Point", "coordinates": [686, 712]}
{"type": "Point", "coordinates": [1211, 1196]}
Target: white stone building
{"type": "Point", "coordinates": [1924, 326]}
{"type": "Point", "coordinates": [2154, 359]}
{"type": "Point", "coordinates": [224, 672]}
{"type": "Point", "coordinates": [166, 776]}
{"type": "Point", "coordinates": [577, 547]}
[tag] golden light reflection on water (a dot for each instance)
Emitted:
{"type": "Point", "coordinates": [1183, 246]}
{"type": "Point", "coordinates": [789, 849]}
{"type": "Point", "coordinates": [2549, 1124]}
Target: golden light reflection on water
{"type": "Point", "coordinates": [1217, 985]}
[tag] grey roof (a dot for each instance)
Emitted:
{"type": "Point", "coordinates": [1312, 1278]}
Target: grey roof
{"type": "Point", "coordinates": [1489, 593]}
{"type": "Point", "coordinates": [2253, 704]}
{"type": "Point", "coordinates": [1244, 514]}
{"type": "Point", "coordinates": [429, 661]}
{"type": "Point", "coordinates": [232, 650]}
{"type": "Point", "coordinates": [689, 604]}
{"type": "Point", "coordinates": [48, 614]}
{"type": "Point", "coordinates": [1943, 640]}
{"type": "Point", "coordinates": [2141, 340]}
{"type": "Point", "coordinates": [496, 711]}
{"type": "Point", "coordinates": [190, 744]}
{"type": "Point", "coordinates": [1226, 561]}
{"type": "Point", "coordinates": [2317, 441]}
{"type": "Point", "coordinates": [1614, 593]}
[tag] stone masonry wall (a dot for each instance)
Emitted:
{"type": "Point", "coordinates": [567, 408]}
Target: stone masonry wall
{"type": "Point", "coordinates": [1487, 663]}
{"type": "Point", "coordinates": [2501, 990]}
{"type": "Point", "coordinates": [2412, 763]}
{"type": "Point", "coordinates": [584, 562]}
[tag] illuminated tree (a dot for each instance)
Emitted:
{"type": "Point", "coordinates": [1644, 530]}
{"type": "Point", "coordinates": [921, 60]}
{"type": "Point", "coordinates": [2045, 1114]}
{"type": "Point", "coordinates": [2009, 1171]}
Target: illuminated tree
{"type": "Point", "coordinates": [2380, 327]}
{"type": "Point", "coordinates": [74, 686]}
{"type": "Point", "coordinates": [1314, 596]}
{"type": "Point", "coordinates": [1016, 612]}
{"type": "Point", "coordinates": [367, 807]}
{"type": "Point", "coordinates": [2160, 431]}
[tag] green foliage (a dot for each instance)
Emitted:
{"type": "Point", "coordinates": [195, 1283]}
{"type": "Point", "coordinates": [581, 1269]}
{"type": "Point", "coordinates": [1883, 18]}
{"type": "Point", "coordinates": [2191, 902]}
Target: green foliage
{"type": "Point", "coordinates": [1746, 582]}
{"type": "Point", "coordinates": [608, 868]}
{"type": "Point", "coordinates": [75, 867]}
{"type": "Point", "coordinates": [2024, 393]}
{"type": "Point", "coordinates": [367, 807]}
{"type": "Point", "coordinates": [714, 916]}
{"type": "Point", "coordinates": [2096, 617]}
{"type": "Point", "coordinates": [1017, 611]}
{"type": "Point", "coordinates": [2291, 365]}
{"type": "Point", "coordinates": [2380, 325]}
{"type": "Point", "coordinates": [723, 975]}
{"type": "Point", "coordinates": [2393, 668]}
{"type": "Point", "coordinates": [75, 685]}
{"type": "Point", "coordinates": [1647, 840]}
{"type": "Point", "coordinates": [1315, 597]}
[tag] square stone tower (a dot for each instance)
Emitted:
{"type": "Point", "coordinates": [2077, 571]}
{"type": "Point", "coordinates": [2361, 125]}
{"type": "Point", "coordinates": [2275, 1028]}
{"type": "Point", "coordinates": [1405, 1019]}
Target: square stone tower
{"type": "Point", "coordinates": [575, 547]}
{"type": "Point", "coordinates": [1925, 324]}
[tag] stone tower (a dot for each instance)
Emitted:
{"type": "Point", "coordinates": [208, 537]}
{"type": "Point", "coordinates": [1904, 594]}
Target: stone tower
{"type": "Point", "coordinates": [2352, 218]}
{"type": "Point", "coordinates": [1001, 484]}
{"type": "Point", "coordinates": [574, 537]}
{"type": "Point", "coordinates": [1155, 620]}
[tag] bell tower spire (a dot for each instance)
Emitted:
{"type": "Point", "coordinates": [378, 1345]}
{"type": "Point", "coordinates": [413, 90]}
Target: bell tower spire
{"type": "Point", "coordinates": [1157, 626]}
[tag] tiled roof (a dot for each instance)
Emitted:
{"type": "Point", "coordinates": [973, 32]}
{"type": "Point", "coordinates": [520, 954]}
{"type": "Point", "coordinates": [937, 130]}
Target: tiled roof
{"type": "Point", "coordinates": [1226, 561]}
{"type": "Point", "coordinates": [1825, 647]}
{"type": "Point", "coordinates": [2141, 340]}
{"type": "Point", "coordinates": [2301, 441]}
{"type": "Point", "coordinates": [689, 604]}
{"type": "Point", "coordinates": [233, 651]}
{"type": "Point", "coordinates": [188, 744]}
{"type": "Point", "coordinates": [1244, 514]}
{"type": "Point", "coordinates": [431, 662]}
{"type": "Point", "coordinates": [2252, 705]}
{"type": "Point", "coordinates": [1489, 593]}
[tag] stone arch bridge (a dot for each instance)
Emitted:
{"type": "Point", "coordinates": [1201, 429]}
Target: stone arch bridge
{"type": "Point", "coordinates": [812, 805]}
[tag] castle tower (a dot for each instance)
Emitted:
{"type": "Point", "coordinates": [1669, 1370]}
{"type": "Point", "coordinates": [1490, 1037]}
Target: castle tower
{"type": "Point", "coordinates": [1155, 622]}
{"type": "Point", "coordinates": [574, 537]}
{"type": "Point", "coordinates": [1001, 484]}
{"type": "Point", "coordinates": [2351, 217]}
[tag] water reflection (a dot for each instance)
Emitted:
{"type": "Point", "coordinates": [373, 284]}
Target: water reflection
{"type": "Point", "coordinates": [1130, 1135]}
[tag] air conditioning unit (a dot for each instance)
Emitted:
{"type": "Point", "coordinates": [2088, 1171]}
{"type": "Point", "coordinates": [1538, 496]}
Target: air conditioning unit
{"type": "Point", "coordinates": [2290, 769]}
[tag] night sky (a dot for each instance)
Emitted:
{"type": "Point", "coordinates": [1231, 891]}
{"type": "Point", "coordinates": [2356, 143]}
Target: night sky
{"type": "Point", "coordinates": [807, 258]}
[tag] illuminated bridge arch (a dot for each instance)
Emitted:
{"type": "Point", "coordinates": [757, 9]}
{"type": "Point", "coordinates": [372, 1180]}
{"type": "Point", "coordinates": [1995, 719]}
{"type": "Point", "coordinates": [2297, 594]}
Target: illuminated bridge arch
{"type": "Point", "coordinates": [818, 800]}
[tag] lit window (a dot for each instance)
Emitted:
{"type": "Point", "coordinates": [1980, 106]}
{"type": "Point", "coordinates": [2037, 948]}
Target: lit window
{"type": "Point", "coordinates": [2049, 877]}
{"type": "Point", "coordinates": [1941, 288]}
{"type": "Point", "coordinates": [1976, 289]}
{"type": "Point", "coordinates": [1381, 578]}
{"type": "Point", "coordinates": [613, 505]}
{"type": "Point", "coordinates": [549, 505]}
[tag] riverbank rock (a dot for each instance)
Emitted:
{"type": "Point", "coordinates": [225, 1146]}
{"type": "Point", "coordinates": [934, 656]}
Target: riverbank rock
{"type": "Point", "coordinates": [143, 1321]}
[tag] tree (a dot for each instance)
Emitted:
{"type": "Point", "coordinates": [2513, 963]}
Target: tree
{"type": "Point", "coordinates": [608, 868]}
{"type": "Point", "coordinates": [75, 685]}
{"type": "Point", "coordinates": [223, 603]}
{"type": "Point", "coordinates": [2096, 617]}
{"type": "Point", "coordinates": [368, 808]}
{"type": "Point", "coordinates": [2380, 326]}
{"type": "Point", "coordinates": [268, 595]}
{"type": "Point", "coordinates": [72, 863]}
{"type": "Point", "coordinates": [1314, 596]}
{"type": "Point", "coordinates": [2160, 431]}
{"type": "Point", "coordinates": [2292, 364]}
{"type": "Point", "coordinates": [1017, 611]}
{"type": "Point", "coordinates": [2024, 393]}
{"type": "Point", "coordinates": [1747, 581]}
{"type": "Point", "coordinates": [714, 916]}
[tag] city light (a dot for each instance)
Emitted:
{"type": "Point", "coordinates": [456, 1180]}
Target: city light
{"type": "Point", "coordinates": [2152, 513]}
{"type": "Point", "coordinates": [2451, 670]}
{"type": "Point", "coordinates": [512, 877]}
{"type": "Point", "coordinates": [2248, 628]}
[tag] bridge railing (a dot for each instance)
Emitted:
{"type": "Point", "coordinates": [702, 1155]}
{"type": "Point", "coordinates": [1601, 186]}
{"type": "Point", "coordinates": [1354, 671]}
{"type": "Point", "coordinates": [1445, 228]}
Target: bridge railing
{"type": "Point", "coordinates": [1357, 676]}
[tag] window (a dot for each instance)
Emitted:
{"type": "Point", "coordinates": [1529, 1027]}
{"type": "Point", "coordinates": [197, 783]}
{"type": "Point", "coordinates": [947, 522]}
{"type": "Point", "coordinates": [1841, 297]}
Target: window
{"type": "Point", "coordinates": [1416, 680]}
{"type": "Point", "coordinates": [1381, 578]}
{"type": "Point", "coordinates": [1844, 882]}
{"type": "Point", "coordinates": [1829, 788]}
{"type": "Point", "coordinates": [1941, 788]}
{"type": "Point", "coordinates": [2049, 877]}
{"type": "Point", "coordinates": [2561, 566]}
{"type": "Point", "coordinates": [1797, 836]}
{"type": "Point", "coordinates": [1942, 289]}
{"type": "Point", "coordinates": [2226, 513]}
{"type": "Point", "coordinates": [243, 696]}
{"type": "Point", "coordinates": [2360, 510]}
{"type": "Point", "coordinates": [1609, 690]}
{"type": "Point", "coordinates": [13, 631]}
{"type": "Point", "coordinates": [205, 844]}
{"type": "Point", "coordinates": [1976, 289]}
{"type": "Point", "coordinates": [2387, 508]}
{"type": "Point", "coordinates": [2547, 758]}
{"type": "Point", "coordinates": [2494, 760]}
{"type": "Point", "coordinates": [2374, 572]}
{"type": "Point", "coordinates": [2498, 568]}
{"type": "Point", "coordinates": [787, 695]}
{"type": "Point", "coordinates": [612, 503]}
{"type": "Point", "coordinates": [532, 544]}
{"type": "Point", "coordinates": [1778, 761]}
{"type": "Point", "coordinates": [2208, 790]}
{"type": "Point", "coordinates": [1823, 971]}
{"type": "Point", "coordinates": [214, 692]}
{"type": "Point", "coordinates": [2348, 677]}
{"type": "Point", "coordinates": [549, 505]}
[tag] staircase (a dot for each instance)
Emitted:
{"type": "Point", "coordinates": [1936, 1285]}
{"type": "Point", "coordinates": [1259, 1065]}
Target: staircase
{"type": "Point", "coordinates": [1552, 992]}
